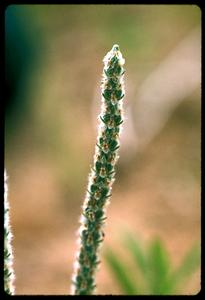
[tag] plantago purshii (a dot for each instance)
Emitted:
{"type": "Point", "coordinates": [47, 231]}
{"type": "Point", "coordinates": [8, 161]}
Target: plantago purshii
{"type": "Point", "coordinates": [102, 174]}
{"type": "Point", "coordinates": [8, 253]}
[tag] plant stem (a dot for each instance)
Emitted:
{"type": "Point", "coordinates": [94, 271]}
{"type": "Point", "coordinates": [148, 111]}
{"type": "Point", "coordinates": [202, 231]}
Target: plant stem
{"type": "Point", "coordinates": [102, 174]}
{"type": "Point", "coordinates": [8, 253]}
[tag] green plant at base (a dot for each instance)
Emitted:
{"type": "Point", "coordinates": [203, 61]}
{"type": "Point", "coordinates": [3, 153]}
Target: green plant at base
{"type": "Point", "coordinates": [102, 174]}
{"type": "Point", "coordinates": [8, 253]}
{"type": "Point", "coordinates": [152, 268]}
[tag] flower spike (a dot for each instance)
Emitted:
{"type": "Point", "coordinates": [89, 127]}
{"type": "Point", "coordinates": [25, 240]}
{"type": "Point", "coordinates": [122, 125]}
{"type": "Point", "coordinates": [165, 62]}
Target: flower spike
{"type": "Point", "coordinates": [102, 174]}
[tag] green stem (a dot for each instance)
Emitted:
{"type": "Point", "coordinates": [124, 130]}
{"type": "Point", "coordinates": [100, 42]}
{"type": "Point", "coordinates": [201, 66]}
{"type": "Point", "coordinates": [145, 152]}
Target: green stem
{"type": "Point", "coordinates": [102, 174]}
{"type": "Point", "coordinates": [8, 255]}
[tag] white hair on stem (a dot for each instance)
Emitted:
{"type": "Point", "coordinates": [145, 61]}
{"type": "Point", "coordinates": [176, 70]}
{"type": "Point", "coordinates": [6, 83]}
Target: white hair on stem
{"type": "Point", "coordinates": [9, 276]}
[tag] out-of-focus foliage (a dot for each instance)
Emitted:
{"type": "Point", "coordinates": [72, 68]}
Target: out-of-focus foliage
{"type": "Point", "coordinates": [21, 54]}
{"type": "Point", "coordinates": [153, 267]}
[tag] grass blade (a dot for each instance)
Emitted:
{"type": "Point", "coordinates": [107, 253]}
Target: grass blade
{"type": "Point", "coordinates": [137, 253]}
{"type": "Point", "coordinates": [121, 272]}
{"type": "Point", "coordinates": [159, 268]}
{"type": "Point", "coordinates": [189, 265]}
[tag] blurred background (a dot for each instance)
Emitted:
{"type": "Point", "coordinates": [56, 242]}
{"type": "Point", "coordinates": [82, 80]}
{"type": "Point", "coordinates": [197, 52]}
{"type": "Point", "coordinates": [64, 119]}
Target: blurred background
{"type": "Point", "coordinates": [53, 71]}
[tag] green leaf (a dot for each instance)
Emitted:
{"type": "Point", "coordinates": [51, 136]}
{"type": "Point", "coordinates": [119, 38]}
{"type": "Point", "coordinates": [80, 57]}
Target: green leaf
{"type": "Point", "coordinates": [137, 253]}
{"type": "Point", "coordinates": [189, 265]}
{"type": "Point", "coordinates": [121, 272]}
{"type": "Point", "coordinates": [159, 267]}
